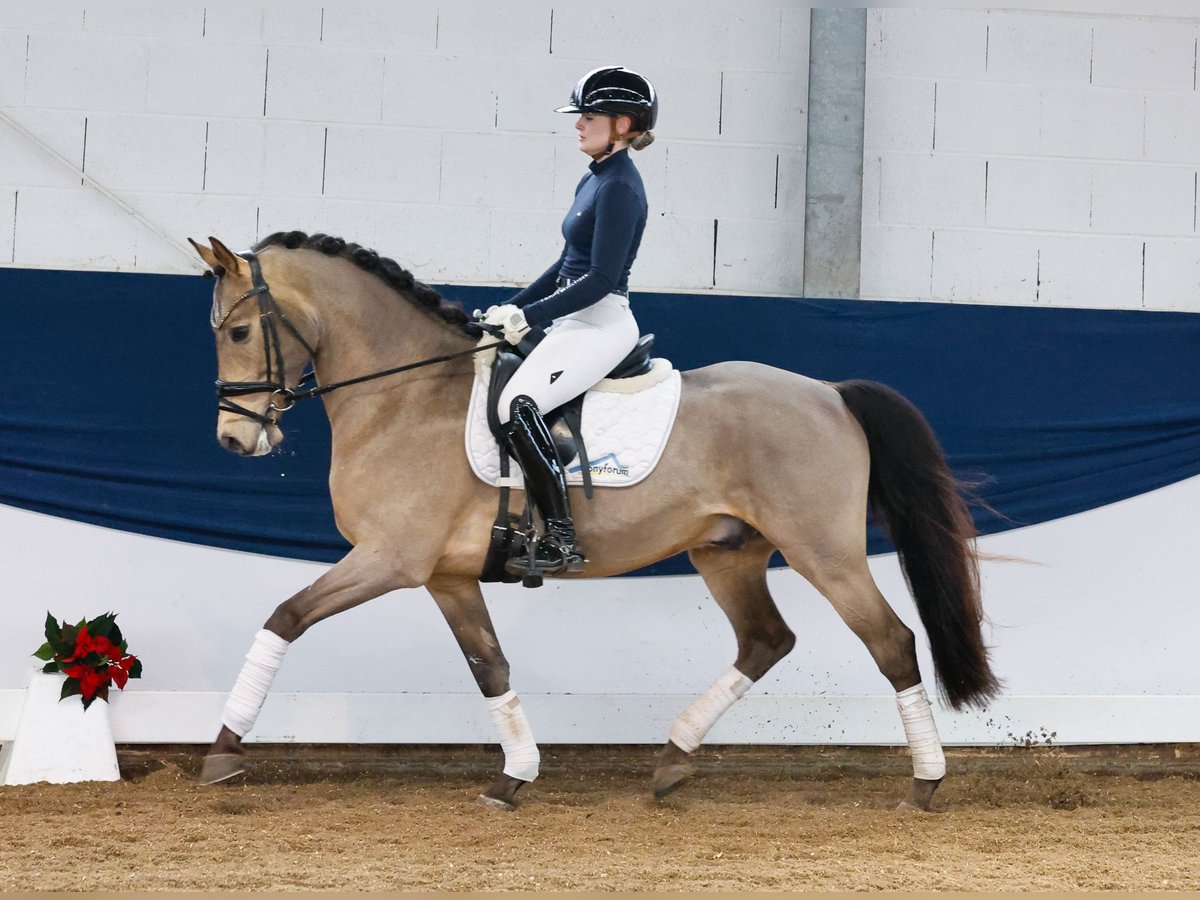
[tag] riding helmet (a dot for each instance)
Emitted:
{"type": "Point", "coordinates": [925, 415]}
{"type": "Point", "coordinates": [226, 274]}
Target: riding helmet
{"type": "Point", "coordinates": [615, 91]}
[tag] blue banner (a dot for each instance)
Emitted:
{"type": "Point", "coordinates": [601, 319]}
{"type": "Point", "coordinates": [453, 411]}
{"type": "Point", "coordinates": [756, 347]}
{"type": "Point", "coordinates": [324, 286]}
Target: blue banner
{"type": "Point", "coordinates": [107, 410]}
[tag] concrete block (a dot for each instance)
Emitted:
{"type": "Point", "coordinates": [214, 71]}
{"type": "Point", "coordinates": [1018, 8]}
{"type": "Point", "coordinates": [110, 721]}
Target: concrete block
{"type": "Point", "coordinates": [527, 91]}
{"type": "Point", "coordinates": [382, 163]}
{"type": "Point", "coordinates": [439, 244]}
{"type": "Point", "coordinates": [1039, 194]}
{"type": "Point", "coordinates": [988, 119]}
{"type": "Point", "coordinates": [26, 17]}
{"type": "Point", "coordinates": [73, 228]}
{"type": "Point", "coordinates": [676, 255]}
{"type": "Point", "coordinates": [1173, 274]}
{"type": "Point", "coordinates": [295, 24]}
{"type": "Point", "coordinates": [977, 266]}
{"type": "Point", "coordinates": [181, 216]}
{"type": "Point", "coordinates": [794, 38]}
{"type": "Point", "coordinates": [1039, 48]}
{"type": "Point", "coordinates": [592, 34]}
{"type": "Point", "coordinates": [1173, 127]}
{"type": "Point", "coordinates": [506, 170]}
{"type": "Point", "coordinates": [919, 189]}
{"type": "Point", "coordinates": [710, 181]}
{"type": "Point", "coordinates": [90, 72]}
{"type": "Point", "coordinates": [1091, 271]}
{"type": "Point", "coordinates": [13, 46]}
{"type": "Point", "coordinates": [1144, 54]}
{"type": "Point", "coordinates": [872, 189]}
{"type": "Point", "coordinates": [897, 262]}
{"type": "Point", "coordinates": [145, 153]}
{"type": "Point", "coordinates": [430, 91]}
{"type": "Point", "coordinates": [151, 21]}
{"type": "Point", "coordinates": [932, 43]}
{"type": "Point", "coordinates": [765, 107]}
{"type": "Point", "coordinates": [760, 257]}
{"type": "Point", "coordinates": [8, 219]}
{"type": "Point", "coordinates": [523, 245]}
{"type": "Point", "coordinates": [394, 28]}
{"type": "Point", "coordinates": [493, 32]}
{"type": "Point", "coordinates": [1144, 200]}
{"type": "Point", "coordinates": [730, 37]}
{"type": "Point", "coordinates": [325, 84]}
{"type": "Point", "coordinates": [26, 163]}
{"type": "Point", "coordinates": [202, 78]}
{"type": "Point", "coordinates": [259, 157]}
{"type": "Point", "coordinates": [689, 101]}
{"type": "Point", "coordinates": [898, 115]}
{"type": "Point", "coordinates": [790, 199]}
{"type": "Point", "coordinates": [1093, 123]}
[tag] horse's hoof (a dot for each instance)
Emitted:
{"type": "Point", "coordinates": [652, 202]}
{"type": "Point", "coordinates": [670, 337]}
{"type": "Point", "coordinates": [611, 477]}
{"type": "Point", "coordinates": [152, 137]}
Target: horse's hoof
{"type": "Point", "coordinates": [671, 778]}
{"type": "Point", "coordinates": [221, 766]}
{"type": "Point", "coordinates": [495, 803]}
{"type": "Point", "coordinates": [921, 799]}
{"type": "Point", "coordinates": [909, 806]}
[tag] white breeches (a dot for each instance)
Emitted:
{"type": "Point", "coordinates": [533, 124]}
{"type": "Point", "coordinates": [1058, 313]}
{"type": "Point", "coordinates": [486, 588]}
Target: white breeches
{"type": "Point", "coordinates": [578, 351]}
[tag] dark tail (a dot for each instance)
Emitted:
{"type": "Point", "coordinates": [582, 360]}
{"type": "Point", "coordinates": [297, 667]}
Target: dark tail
{"type": "Point", "coordinates": [920, 504]}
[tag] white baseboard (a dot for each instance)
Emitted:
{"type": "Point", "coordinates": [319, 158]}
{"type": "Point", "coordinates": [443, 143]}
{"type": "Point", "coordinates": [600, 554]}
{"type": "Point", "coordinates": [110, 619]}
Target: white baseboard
{"type": "Point", "coordinates": [148, 717]}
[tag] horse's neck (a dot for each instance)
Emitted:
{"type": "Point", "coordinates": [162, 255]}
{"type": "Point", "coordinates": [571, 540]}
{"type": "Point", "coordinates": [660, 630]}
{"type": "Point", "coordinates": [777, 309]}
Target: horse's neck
{"type": "Point", "coordinates": [365, 328]}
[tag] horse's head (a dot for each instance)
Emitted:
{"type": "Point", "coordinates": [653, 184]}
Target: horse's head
{"type": "Point", "coordinates": [260, 352]}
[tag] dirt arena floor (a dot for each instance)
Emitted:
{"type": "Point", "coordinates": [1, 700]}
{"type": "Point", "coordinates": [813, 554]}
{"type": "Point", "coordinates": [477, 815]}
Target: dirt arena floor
{"type": "Point", "coordinates": [765, 819]}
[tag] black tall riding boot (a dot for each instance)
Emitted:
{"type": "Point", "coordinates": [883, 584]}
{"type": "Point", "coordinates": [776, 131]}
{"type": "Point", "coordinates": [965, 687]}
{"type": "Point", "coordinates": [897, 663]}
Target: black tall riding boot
{"type": "Point", "coordinates": [546, 483]}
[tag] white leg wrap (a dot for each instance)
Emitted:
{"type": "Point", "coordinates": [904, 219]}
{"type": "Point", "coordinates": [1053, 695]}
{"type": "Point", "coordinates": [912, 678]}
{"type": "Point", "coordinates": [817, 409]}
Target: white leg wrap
{"type": "Point", "coordinates": [929, 763]}
{"type": "Point", "coordinates": [521, 755]}
{"type": "Point", "coordinates": [690, 728]}
{"type": "Point", "coordinates": [253, 682]}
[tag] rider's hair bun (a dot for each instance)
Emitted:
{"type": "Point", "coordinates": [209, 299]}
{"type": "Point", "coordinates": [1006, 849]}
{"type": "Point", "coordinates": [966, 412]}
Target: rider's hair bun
{"type": "Point", "coordinates": [642, 141]}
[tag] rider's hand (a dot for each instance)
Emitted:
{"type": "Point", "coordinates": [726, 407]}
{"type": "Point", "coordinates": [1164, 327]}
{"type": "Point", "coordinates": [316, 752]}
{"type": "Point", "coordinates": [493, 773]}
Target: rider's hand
{"type": "Point", "coordinates": [511, 319]}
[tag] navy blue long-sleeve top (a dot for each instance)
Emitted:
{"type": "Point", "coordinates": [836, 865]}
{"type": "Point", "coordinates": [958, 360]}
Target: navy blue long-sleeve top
{"type": "Point", "coordinates": [603, 230]}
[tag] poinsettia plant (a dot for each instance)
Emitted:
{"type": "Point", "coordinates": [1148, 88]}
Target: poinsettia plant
{"type": "Point", "coordinates": [91, 654]}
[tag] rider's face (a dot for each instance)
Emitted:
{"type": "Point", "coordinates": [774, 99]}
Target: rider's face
{"type": "Point", "coordinates": [594, 131]}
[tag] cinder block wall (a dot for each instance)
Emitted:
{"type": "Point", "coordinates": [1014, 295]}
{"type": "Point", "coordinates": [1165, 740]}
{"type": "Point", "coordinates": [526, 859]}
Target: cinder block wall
{"type": "Point", "coordinates": [426, 133]}
{"type": "Point", "coordinates": [1024, 158]}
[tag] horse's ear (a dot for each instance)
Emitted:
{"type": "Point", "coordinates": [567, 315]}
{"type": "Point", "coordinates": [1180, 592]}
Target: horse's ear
{"type": "Point", "coordinates": [227, 258]}
{"type": "Point", "coordinates": [206, 254]}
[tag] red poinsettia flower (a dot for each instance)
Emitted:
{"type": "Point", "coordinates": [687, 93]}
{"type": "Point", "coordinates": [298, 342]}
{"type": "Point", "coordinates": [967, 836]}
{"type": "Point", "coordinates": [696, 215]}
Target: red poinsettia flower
{"type": "Point", "coordinates": [82, 645]}
{"type": "Point", "coordinates": [90, 680]}
{"type": "Point", "coordinates": [119, 671]}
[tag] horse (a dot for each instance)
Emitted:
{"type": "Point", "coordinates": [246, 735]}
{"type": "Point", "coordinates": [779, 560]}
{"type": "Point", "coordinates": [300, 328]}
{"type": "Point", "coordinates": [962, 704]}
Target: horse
{"type": "Point", "coordinates": [759, 460]}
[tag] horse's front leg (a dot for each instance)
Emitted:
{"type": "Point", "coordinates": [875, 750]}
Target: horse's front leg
{"type": "Point", "coordinates": [461, 602]}
{"type": "Point", "coordinates": [361, 575]}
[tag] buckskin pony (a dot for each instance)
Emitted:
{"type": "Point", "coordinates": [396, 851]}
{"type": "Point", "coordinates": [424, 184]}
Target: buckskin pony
{"type": "Point", "coordinates": [760, 459]}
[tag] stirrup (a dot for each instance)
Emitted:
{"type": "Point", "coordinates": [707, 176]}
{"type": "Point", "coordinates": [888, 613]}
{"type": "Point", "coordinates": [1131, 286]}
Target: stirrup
{"type": "Point", "coordinates": [551, 554]}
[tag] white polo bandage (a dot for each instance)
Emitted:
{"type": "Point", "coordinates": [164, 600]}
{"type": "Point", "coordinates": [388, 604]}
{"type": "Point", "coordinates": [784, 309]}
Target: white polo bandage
{"type": "Point", "coordinates": [521, 755]}
{"type": "Point", "coordinates": [929, 763]}
{"type": "Point", "coordinates": [690, 728]}
{"type": "Point", "coordinates": [253, 682]}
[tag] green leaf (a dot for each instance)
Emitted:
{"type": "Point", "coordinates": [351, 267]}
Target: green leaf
{"type": "Point", "coordinates": [88, 701]}
{"type": "Point", "coordinates": [114, 634]}
{"type": "Point", "coordinates": [53, 629]}
{"type": "Point", "coordinates": [135, 671]}
{"type": "Point", "coordinates": [50, 668]}
{"type": "Point", "coordinates": [70, 634]}
{"type": "Point", "coordinates": [44, 652]}
{"type": "Point", "coordinates": [70, 689]}
{"type": "Point", "coordinates": [101, 626]}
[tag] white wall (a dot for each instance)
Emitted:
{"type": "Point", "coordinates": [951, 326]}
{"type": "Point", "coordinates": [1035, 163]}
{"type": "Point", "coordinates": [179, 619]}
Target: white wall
{"type": "Point", "coordinates": [1023, 158]}
{"type": "Point", "coordinates": [1093, 633]}
{"type": "Point", "coordinates": [425, 132]}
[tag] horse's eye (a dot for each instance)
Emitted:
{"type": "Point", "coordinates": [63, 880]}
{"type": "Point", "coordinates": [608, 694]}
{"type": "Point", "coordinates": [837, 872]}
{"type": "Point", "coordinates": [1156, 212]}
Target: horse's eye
{"type": "Point", "coordinates": [239, 333]}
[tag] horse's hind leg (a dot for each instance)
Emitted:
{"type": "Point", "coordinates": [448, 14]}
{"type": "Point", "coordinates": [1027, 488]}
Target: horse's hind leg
{"type": "Point", "coordinates": [358, 577]}
{"type": "Point", "coordinates": [461, 602]}
{"type": "Point", "coordinates": [737, 578]}
{"type": "Point", "coordinates": [851, 590]}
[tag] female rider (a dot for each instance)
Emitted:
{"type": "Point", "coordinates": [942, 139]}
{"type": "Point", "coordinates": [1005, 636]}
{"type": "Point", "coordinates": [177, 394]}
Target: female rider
{"type": "Point", "coordinates": [582, 301]}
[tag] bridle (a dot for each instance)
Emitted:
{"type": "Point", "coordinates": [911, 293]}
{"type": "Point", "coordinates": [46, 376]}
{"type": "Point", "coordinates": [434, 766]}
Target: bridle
{"type": "Point", "coordinates": [282, 397]}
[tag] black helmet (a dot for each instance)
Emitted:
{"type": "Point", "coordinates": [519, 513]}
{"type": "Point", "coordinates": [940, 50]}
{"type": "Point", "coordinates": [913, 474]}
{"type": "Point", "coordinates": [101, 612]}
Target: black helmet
{"type": "Point", "coordinates": [615, 91]}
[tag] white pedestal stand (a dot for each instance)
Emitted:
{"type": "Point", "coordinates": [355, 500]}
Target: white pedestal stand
{"type": "Point", "coordinates": [59, 742]}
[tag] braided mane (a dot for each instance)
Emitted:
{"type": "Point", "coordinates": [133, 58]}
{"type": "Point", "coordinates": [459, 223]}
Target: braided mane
{"type": "Point", "coordinates": [387, 270]}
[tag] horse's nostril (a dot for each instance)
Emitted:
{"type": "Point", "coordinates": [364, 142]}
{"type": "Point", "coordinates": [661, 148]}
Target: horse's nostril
{"type": "Point", "coordinates": [231, 444]}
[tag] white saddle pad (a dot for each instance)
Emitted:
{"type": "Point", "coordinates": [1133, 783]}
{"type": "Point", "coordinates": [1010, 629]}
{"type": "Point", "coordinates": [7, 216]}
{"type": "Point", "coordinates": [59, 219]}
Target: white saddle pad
{"type": "Point", "coordinates": [626, 425]}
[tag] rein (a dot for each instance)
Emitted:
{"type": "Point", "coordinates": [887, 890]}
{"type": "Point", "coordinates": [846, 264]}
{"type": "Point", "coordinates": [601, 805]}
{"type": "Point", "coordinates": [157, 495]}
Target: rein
{"type": "Point", "coordinates": [284, 398]}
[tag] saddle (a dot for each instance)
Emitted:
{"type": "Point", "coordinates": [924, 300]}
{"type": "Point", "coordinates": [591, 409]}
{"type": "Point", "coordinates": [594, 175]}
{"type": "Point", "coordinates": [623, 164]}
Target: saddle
{"type": "Point", "coordinates": [564, 422]}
